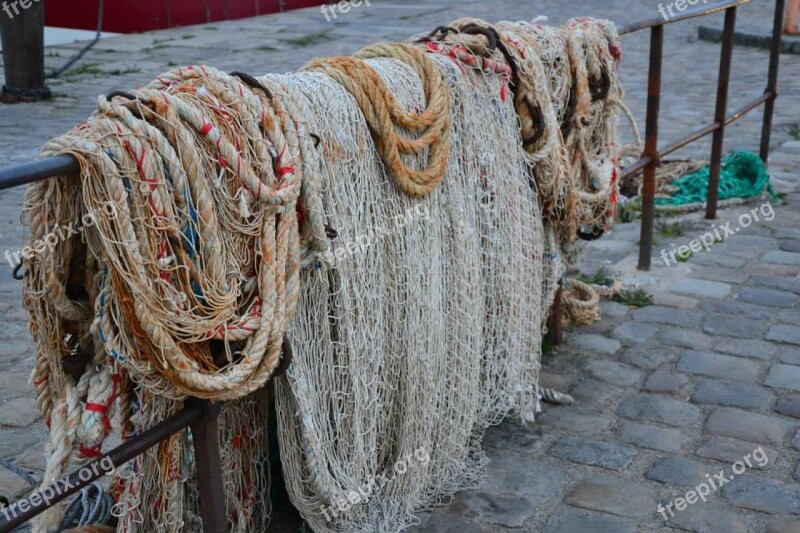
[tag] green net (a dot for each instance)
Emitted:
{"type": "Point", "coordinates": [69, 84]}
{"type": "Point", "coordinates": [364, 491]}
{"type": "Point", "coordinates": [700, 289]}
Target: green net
{"type": "Point", "coordinates": [743, 175]}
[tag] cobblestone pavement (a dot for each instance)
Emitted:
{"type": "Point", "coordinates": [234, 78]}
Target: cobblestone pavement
{"type": "Point", "coordinates": [666, 394]}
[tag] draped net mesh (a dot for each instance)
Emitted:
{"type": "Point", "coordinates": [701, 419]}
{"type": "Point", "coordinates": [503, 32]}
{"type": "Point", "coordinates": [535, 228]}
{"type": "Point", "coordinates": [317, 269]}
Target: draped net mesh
{"type": "Point", "coordinates": [415, 320]}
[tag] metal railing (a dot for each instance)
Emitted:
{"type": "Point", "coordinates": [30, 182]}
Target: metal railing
{"type": "Point", "coordinates": [199, 415]}
{"type": "Point", "coordinates": [203, 416]}
{"type": "Point", "coordinates": [652, 155]}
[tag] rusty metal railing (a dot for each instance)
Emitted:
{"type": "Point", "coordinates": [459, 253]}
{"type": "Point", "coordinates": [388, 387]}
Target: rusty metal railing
{"type": "Point", "coordinates": [652, 155]}
{"type": "Point", "coordinates": [202, 416]}
{"type": "Point", "coordinates": [199, 415]}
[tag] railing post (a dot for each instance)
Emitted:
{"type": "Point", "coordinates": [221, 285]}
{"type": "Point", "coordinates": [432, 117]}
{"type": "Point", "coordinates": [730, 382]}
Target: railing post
{"type": "Point", "coordinates": [772, 79]}
{"type": "Point", "coordinates": [205, 437]}
{"type": "Point", "coordinates": [651, 146]}
{"type": "Point", "coordinates": [720, 112]}
{"type": "Point", "coordinates": [22, 33]}
{"type": "Point", "coordinates": [555, 330]}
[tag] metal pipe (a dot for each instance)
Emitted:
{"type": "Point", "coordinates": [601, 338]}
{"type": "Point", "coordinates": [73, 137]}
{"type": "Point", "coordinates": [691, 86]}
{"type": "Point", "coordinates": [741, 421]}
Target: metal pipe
{"type": "Point", "coordinates": [772, 79]}
{"type": "Point", "coordinates": [634, 167]}
{"type": "Point", "coordinates": [38, 170]}
{"type": "Point", "coordinates": [639, 164]}
{"type": "Point", "coordinates": [746, 108]}
{"type": "Point", "coordinates": [75, 481]}
{"type": "Point", "coordinates": [720, 113]}
{"type": "Point", "coordinates": [683, 141]}
{"type": "Point", "coordinates": [651, 145]}
{"type": "Point", "coordinates": [205, 438]}
{"type": "Point", "coordinates": [684, 15]}
{"type": "Point", "coordinates": [555, 329]}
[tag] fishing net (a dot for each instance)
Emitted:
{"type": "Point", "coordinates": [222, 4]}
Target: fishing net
{"type": "Point", "coordinates": [743, 175]}
{"type": "Point", "coordinates": [400, 218]}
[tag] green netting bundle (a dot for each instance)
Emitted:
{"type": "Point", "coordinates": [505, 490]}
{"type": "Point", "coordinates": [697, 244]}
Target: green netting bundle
{"type": "Point", "coordinates": [743, 175]}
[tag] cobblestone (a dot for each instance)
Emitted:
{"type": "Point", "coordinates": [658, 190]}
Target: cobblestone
{"type": "Point", "coordinates": [665, 315]}
{"type": "Point", "coordinates": [653, 437]}
{"type": "Point", "coordinates": [614, 496]}
{"type": "Point", "coordinates": [729, 451]}
{"type": "Point", "coordinates": [781, 258]}
{"type": "Point", "coordinates": [574, 522]}
{"type": "Point", "coordinates": [484, 507]}
{"type": "Point", "coordinates": [634, 333]}
{"type": "Point", "coordinates": [791, 316]}
{"type": "Point", "coordinates": [790, 356]}
{"type": "Point", "coordinates": [788, 405]}
{"type": "Point", "coordinates": [662, 381]}
{"type": "Point", "coordinates": [597, 394]}
{"type": "Point", "coordinates": [721, 273]}
{"type": "Point", "coordinates": [613, 372]}
{"type": "Point", "coordinates": [784, 524]}
{"type": "Point", "coordinates": [709, 517]}
{"type": "Point", "coordinates": [19, 413]}
{"type": "Point", "coordinates": [660, 409]}
{"type": "Point", "coordinates": [678, 472]}
{"type": "Point", "coordinates": [734, 326]}
{"type": "Point", "coordinates": [753, 427]}
{"type": "Point", "coordinates": [613, 309]}
{"type": "Point", "coordinates": [784, 377]}
{"type": "Point", "coordinates": [762, 494]}
{"type": "Point", "coordinates": [746, 348]}
{"type": "Point", "coordinates": [509, 475]}
{"type": "Point", "coordinates": [777, 282]}
{"type": "Point", "coordinates": [732, 394]}
{"type": "Point", "coordinates": [595, 343]}
{"type": "Point", "coordinates": [718, 366]}
{"type": "Point", "coordinates": [580, 421]}
{"type": "Point", "coordinates": [767, 297]}
{"type": "Point", "coordinates": [595, 453]}
{"type": "Point", "coordinates": [518, 438]}
{"type": "Point", "coordinates": [701, 289]}
{"type": "Point", "coordinates": [786, 334]}
{"type": "Point", "coordinates": [732, 307]}
{"type": "Point", "coordinates": [446, 523]}
{"type": "Point", "coordinates": [686, 338]}
{"type": "Point", "coordinates": [649, 356]}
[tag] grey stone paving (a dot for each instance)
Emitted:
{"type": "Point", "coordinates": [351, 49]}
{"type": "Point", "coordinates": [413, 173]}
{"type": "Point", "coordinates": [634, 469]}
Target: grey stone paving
{"type": "Point", "coordinates": [665, 394]}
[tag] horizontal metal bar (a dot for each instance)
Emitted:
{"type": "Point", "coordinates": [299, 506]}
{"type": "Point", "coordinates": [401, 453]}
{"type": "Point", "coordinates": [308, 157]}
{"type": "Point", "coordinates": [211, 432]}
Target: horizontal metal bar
{"type": "Point", "coordinates": [67, 164]}
{"type": "Point", "coordinates": [40, 169]}
{"type": "Point", "coordinates": [635, 167]}
{"type": "Point", "coordinates": [684, 15]}
{"type": "Point", "coordinates": [639, 164]}
{"type": "Point", "coordinates": [683, 141]}
{"type": "Point", "coordinates": [75, 481]}
{"type": "Point", "coordinates": [745, 109]}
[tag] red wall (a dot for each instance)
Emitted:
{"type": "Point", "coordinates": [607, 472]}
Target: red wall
{"type": "Point", "coordinates": [130, 16]}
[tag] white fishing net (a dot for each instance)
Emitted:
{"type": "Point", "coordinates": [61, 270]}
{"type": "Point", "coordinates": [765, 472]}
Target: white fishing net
{"type": "Point", "coordinates": [416, 327]}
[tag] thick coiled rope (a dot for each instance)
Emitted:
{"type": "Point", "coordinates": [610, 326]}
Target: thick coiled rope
{"type": "Point", "coordinates": [385, 116]}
